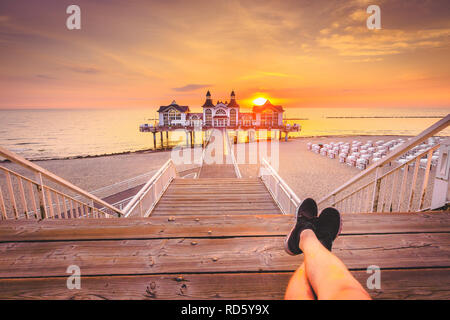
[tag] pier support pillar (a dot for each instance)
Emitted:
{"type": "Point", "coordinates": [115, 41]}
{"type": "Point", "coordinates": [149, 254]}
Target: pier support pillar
{"type": "Point", "coordinates": [167, 139]}
{"type": "Point", "coordinates": [187, 138]}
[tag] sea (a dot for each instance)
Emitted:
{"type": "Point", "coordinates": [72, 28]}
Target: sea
{"type": "Point", "coordinates": [39, 134]}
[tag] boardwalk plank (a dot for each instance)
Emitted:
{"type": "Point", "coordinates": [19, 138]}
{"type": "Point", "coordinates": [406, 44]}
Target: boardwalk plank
{"type": "Point", "coordinates": [210, 226]}
{"type": "Point", "coordinates": [396, 284]}
{"type": "Point", "coordinates": [214, 255]}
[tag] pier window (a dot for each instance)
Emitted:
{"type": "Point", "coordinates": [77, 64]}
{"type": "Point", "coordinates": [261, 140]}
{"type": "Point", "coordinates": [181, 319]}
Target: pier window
{"type": "Point", "coordinates": [232, 117]}
{"type": "Point", "coordinates": [208, 117]}
{"type": "Point", "coordinates": [269, 118]}
{"type": "Point", "coordinates": [221, 112]}
{"type": "Point", "coordinates": [174, 115]}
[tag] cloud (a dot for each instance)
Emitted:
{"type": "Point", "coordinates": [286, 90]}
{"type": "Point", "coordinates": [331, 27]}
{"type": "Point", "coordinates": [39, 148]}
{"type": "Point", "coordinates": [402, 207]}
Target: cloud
{"type": "Point", "coordinates": [191, 87]}
{"type": "Point", "coordinates": [85, 70]}
{"type": "Point", "coordinates": [45, 76]}
{"type": "Point", "coordinates": [361, 42]}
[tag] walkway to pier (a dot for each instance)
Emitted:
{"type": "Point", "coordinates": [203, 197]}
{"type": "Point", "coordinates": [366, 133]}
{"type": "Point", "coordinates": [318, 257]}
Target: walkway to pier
{"type": "Point", "coordinates": [214, 256]}
{"type": "Point", "coordinates": [222, 165]}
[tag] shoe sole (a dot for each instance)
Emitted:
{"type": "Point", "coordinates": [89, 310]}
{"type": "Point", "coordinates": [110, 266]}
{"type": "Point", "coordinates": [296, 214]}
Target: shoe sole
{"type": "Point", "coordinates": [340, 225]}
{"type": "Point", "coordinates": [286, 246]}
{"type": "Point", "coordinates": [286, 240]}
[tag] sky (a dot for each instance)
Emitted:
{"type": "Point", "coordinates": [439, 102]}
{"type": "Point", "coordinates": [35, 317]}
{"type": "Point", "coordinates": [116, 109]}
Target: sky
{"type": "Point", "coordinates": [299, 53]}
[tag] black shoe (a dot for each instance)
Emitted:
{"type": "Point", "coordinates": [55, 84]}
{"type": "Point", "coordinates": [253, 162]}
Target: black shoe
{"type": "Point", "coordinates": [306, 219]}
{"type": "Point", "coordinates": [329, 226]}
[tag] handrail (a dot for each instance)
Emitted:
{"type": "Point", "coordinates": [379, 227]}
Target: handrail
{"type": "Point", "coordinates": [233, 158]}
{"type": "Point", "coordinates": [137, 199]}
{"type": "Point", "coordinates": [429, 132]}
{"type": "Point", "coordinates": [51, 176]}
{"type": "Point", "coordinates": [64, 197]}
{"type": "Point", "coordinates": [391, 172]}
{"type": "Point", "coordinates": [294, 200]}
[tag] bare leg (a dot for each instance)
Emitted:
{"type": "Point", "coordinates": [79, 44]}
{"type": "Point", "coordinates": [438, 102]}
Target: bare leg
{"type": "Point", "coordinates": [299, 287]}
{"type": "Point", "coordinates": [328, 276]}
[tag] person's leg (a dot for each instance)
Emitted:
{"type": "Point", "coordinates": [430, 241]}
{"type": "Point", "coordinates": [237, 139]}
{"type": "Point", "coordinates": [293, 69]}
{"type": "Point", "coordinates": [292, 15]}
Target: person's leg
{"type": "Point", "coordinates": [299, 287]}
{"type": "Point", "coordinates": [328, 276]}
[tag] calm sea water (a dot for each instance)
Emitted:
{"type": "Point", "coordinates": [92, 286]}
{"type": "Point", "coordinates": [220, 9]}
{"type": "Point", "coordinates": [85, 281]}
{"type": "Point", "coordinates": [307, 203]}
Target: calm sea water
{"type": "Point", "coordinates": [45, 134]}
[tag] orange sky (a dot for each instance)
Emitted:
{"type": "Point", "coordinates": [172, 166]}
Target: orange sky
{"type": "Point", "coordinates": [299, 53]}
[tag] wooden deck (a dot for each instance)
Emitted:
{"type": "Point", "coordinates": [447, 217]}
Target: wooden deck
{"type": "Point", "coordinates": [214, 256]}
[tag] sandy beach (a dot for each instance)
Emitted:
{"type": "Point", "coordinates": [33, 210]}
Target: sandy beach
{"type": "Point", "coordinates": [307, 173]}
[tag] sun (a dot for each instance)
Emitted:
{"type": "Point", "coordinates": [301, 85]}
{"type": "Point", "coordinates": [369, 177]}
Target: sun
{"type": "Point", "coordinates": [259, 101]}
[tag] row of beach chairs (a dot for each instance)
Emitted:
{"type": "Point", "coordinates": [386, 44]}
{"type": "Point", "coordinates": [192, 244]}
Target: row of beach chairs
{"type": "Point", "coordinates": [360, 155]}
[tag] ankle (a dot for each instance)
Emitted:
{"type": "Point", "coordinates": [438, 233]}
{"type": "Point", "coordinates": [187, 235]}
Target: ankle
{"type": "Point", "coordinates": [304, 236]}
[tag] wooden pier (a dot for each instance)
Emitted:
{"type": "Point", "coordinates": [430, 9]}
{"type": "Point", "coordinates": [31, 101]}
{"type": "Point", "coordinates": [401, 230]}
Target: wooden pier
{"type": "Point", "coordinates": [161, 133]}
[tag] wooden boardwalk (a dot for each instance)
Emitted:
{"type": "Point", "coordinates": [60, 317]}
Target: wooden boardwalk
{"type": "Point", "coordinates": [214, 256]}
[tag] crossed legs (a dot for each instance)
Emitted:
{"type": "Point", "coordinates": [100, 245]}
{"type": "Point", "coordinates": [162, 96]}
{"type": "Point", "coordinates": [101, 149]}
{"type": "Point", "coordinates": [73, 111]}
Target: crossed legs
{"type": "Point", "coordinates": [322, 275]}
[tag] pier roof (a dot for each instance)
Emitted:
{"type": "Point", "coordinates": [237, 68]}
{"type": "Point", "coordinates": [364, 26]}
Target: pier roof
{"type": "Point", "coordinates": [268, 105]}
{"type": "Point", "coordinates": [174, 105]}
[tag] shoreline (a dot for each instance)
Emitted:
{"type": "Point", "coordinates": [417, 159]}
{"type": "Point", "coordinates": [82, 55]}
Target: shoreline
{"type": "Point", "coordinates": [150, 151]}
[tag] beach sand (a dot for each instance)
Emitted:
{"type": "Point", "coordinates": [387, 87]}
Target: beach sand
{"type": "Point", "coordinates": [312, 175]}
{"type": "Point", "coordinates": [307, 173]}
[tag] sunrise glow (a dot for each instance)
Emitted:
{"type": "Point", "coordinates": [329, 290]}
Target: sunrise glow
{"type": "Point", "coordinates": [259, 101]}
{"type": "Point", "coordinates": [306, 57]}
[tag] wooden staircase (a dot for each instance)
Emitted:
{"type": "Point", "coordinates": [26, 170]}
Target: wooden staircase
{"type": "Point", "coordinates": [216, 196]}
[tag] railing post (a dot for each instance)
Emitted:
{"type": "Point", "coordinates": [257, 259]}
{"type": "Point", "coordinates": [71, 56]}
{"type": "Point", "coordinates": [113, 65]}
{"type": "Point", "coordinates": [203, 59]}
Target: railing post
{"type": "Point", "coordinates": [2, 205]}
{"type": "Point", "coordinates": [11, 195]}
{"type": "Point", "coordinates": [376, 190]}
{"type": "Point", "coordinates": [441, 180]}
{"type": "Point", "coordinates": [413, 183]}
{"type": "Point", "coordinates": [40, 189]}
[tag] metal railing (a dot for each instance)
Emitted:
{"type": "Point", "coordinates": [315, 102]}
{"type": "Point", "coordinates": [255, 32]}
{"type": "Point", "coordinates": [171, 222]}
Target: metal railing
{"type": "Point", "coordinates": [393, 185]}
{"type": "Point", "coordinates": [283, 195]}
{"type": "Point", "coordinates": [48, 196]}
{"type": "Point", "coordinates": [142, 204]}
{"type": "Point", "coordinates": [233, 158]}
